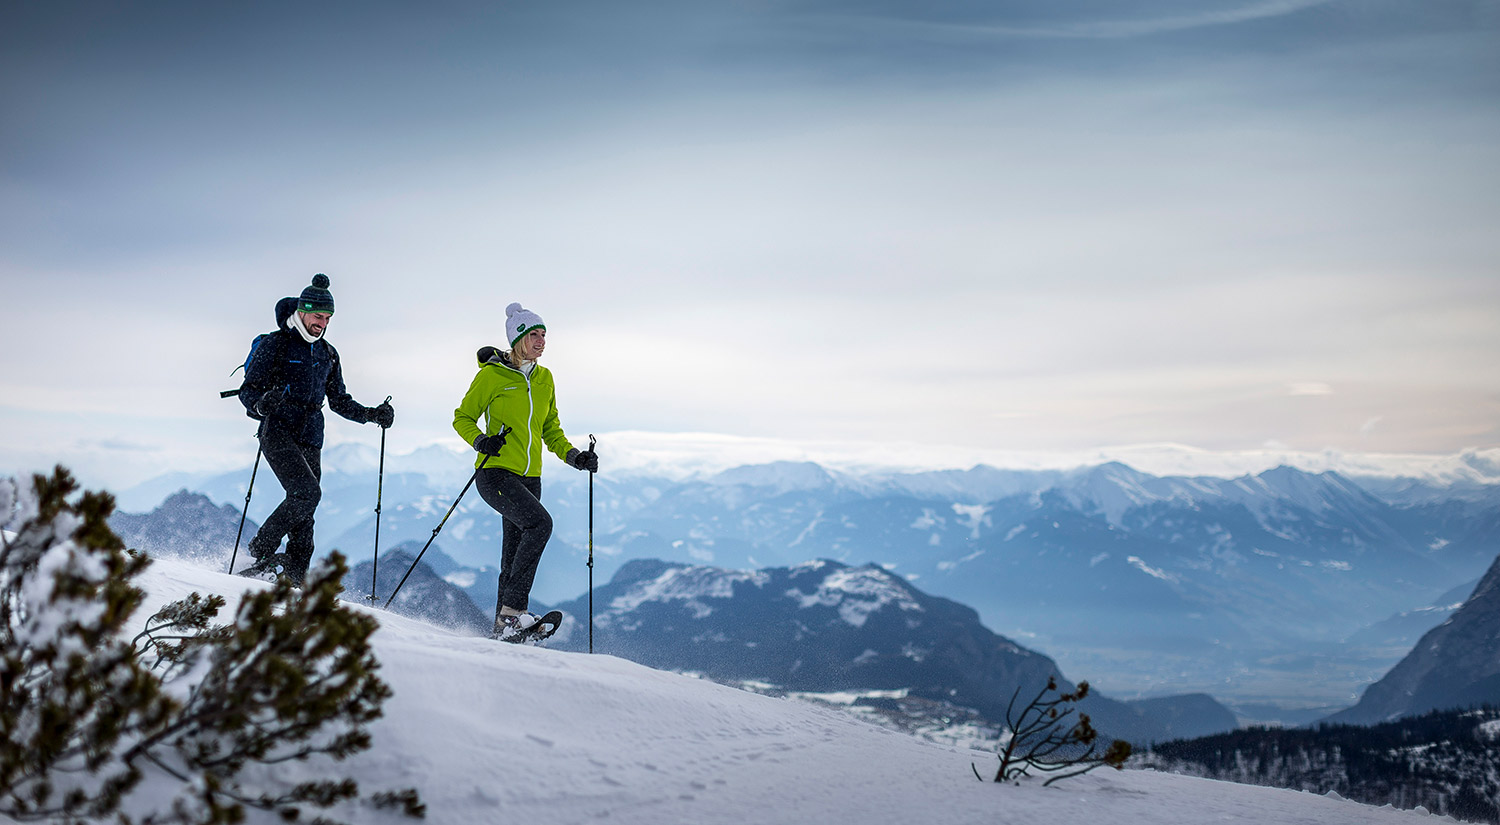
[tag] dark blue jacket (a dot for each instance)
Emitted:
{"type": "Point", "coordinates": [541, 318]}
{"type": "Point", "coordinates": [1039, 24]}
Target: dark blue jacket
{"type": "Point", "coordinates": [306, 373]}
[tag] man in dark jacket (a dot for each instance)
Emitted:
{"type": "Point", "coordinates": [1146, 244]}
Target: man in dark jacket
{"type": "Point", "coordinates": [289, 375]}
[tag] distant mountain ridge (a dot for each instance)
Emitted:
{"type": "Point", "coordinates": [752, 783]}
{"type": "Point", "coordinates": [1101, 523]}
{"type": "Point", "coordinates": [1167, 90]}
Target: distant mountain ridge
{"type": "Point", "coordinates": [1404, 629]}
{"type": "Point", "coordinates": [447, 591]}
{"type": "Point", "coordinates": [424, 594]}
{"type": "Point", "coordinates": [1157, 584]}
{"type": "Point", "coordinates": [1112, 567]}
{"type": "Point", "coordinates": [186, 525]}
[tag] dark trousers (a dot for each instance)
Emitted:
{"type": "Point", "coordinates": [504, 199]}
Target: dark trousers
{"type": "Point", "coordinates": [527, 526]}
{"type": "Point", "coordinates": [299, 469]}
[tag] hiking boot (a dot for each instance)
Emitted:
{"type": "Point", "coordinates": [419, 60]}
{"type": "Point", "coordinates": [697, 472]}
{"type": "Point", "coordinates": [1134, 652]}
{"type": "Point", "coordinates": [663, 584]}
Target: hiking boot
{"type": "Point", "coordinates": [513, 628]}
{"type": "Point", "coordinates": [263, 568]}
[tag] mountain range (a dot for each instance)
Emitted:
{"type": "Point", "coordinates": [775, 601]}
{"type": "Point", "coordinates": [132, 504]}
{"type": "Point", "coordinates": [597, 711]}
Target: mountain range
{"type": "Point", "coordinates": [822, 627]}
{"type": "Point", "coordinates": [1261, 589]}
{"type": "Point", "coordinates": [818, 627]}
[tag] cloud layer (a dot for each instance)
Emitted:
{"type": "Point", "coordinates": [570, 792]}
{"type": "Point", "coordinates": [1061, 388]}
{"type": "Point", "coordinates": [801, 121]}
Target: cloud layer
{"type": "Point", "coordinates": [1225, 224]}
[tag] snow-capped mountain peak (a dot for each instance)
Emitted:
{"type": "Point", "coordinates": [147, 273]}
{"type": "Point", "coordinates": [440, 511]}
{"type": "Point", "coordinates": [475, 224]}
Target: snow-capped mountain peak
{"type": "Point", "coordinates": [1114, 489]}
{"type": "Point", "coordinates": [856, 592]}
{"type": "Point", "coordinates": [780, 476]}
{"type": "Point", "coordinates": [1314, 492]}
{"type": "Point", "coordinates": [351, 458]}
{"type": "Point", "coordinates": [694, 586]}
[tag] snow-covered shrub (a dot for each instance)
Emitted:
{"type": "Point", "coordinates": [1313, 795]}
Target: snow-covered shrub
{"type": "Point", "coordinates": [293, 676]}
{"type": "Point", "coordinates": [1046, 738]}
{"type": "Point", "coordinates": [86, 715]}
{"type": "Point", "coordinates": [72, 695]}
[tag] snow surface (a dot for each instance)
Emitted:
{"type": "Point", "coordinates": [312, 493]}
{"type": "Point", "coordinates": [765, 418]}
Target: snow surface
{"type": "Point", "coordinates": [490, 732]}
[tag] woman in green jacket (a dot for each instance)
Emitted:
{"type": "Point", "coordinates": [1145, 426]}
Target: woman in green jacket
{"type": "Point", "coordinates": [514, 398]}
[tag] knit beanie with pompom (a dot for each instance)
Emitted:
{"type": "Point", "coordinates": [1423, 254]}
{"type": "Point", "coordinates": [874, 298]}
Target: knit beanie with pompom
{"type": "Point", "coordinates": [316, 298]}
{"type": "Point", "coordinates": [519, 321]}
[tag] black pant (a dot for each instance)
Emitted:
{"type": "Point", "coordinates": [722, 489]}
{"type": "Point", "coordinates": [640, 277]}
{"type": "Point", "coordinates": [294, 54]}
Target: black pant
{"type": "Point", "coordinates": [518, 500]}
{"type": "Point", "coordinates": [299, 469]}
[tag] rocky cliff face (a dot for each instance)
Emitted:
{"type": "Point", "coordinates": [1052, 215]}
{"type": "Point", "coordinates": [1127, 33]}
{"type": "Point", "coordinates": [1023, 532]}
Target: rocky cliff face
{"type": "Point", "coordinates": [1455, 665]}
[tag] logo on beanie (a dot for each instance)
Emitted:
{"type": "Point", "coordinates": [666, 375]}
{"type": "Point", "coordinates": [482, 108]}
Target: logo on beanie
{"type": "Point", "coordinates": [316, 297]}
{"type": "Point", "coordinates": [520, 326]}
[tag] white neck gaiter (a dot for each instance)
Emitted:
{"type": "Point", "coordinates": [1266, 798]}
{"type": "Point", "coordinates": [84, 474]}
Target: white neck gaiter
{"type": "Point", "coordinates": [524, 366]}
{"type": "Point", "coordinates": [295, 322]}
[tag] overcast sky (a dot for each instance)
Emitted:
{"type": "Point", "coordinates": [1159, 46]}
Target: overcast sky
{"type": "Point", "coordinates": [1011, 225]}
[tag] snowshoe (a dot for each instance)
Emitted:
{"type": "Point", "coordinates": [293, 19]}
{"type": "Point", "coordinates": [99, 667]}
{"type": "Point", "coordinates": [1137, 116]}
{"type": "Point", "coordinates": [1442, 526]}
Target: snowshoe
{"type": "Point", "coordinates": [263, 568]}
{"type": "Point", "coordinates": [510, 628]}
{"type": "Point", "coordinates": [526, 627]}
{"type": "Point", "coordinates": [542, 629]}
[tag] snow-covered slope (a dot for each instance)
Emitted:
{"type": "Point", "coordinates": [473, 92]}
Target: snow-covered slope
{"type": "Point", "coordinates": [494, 733]}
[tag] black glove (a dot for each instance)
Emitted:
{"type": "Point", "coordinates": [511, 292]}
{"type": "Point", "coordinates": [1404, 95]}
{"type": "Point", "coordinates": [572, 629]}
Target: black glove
{"type": "Point", "coordinates": [490, 444]}
{"type": "Point", "coordinates": [585, 460]}
{"type": "Point", "coordinates": [270, 401]}
{"type": "Point", "coordinates": [384, 415]}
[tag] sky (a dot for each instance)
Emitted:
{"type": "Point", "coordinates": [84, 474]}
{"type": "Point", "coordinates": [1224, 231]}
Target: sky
{"type": "Point", "coordinates": [1002, 226]}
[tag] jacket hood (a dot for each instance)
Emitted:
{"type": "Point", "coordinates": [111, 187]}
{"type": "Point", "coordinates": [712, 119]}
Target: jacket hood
{"type": "Point", "coordinates": [284, 309]}
{"type": "Point", "coordinates": [491, 355]}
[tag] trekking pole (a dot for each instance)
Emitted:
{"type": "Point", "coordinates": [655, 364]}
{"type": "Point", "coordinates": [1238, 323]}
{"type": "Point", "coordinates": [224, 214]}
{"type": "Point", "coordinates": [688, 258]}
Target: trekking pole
{"type": "Point", "coordinates": [591, 550]}
{"type": "Point", "coordinates": [435, 530]}
{"type": "Point", "coordinates": [379, 490]}
{"type": "Point", "coordinates": [259, 448]}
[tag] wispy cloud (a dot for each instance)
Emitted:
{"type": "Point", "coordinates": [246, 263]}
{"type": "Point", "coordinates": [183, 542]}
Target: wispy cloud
{"type": "Point", "coordinates": [1309, 388]}
{"type": "Point", "coordinates": [1119, 28]}
{"type": "Point", "coordinates": [121, 445]}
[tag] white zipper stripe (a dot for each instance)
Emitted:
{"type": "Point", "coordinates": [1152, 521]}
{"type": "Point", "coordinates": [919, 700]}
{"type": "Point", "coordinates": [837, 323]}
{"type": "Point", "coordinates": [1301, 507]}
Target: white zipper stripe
{"type": "Point", "coordinates": [530, 411]}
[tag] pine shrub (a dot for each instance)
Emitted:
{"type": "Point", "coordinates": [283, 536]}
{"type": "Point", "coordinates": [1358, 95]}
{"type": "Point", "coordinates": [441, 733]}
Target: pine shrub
{"type": "Point", "coordinates": [85, 716]}
{"type": "Point", "coordinates": [72, 695]}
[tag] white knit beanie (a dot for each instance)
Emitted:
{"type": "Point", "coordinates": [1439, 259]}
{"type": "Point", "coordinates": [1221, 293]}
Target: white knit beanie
{"type": "Point", "coordinates": [519, 321]}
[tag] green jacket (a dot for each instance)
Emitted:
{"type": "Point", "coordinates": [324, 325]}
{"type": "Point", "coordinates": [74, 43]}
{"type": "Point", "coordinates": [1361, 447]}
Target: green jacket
{"type": "Point", "coordinates": [505, 396]}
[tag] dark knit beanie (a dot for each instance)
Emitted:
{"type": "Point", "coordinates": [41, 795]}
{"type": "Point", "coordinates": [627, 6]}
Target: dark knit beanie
{"type": "Point", "coordinates": [316, 298]}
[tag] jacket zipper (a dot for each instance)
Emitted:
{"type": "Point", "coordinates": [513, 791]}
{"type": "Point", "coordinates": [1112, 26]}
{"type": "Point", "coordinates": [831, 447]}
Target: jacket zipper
{"type": "Point", "coordinates": [530, 410]}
